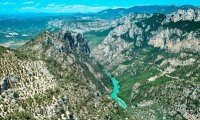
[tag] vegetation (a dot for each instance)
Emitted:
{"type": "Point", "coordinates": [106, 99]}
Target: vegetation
{"type": "Point", "coordinates": [22, 115]}
{"type": "Point", "coordinates": [96, 37]}
{"type": "Point", "coordinates": [186, 26]}
{"type": "Point", "coordinates": [3, 50]}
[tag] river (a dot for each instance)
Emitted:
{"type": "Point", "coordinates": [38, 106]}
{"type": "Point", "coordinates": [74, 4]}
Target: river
{"type": "Point", "coordinates": [115, 90]}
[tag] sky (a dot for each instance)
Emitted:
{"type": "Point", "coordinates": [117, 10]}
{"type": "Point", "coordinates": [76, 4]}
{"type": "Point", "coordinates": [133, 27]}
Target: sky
{"type": "Point", "coordinates": [73, 6]}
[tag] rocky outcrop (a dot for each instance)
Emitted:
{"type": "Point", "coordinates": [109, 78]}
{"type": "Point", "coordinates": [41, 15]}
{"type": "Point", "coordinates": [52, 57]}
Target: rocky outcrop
{"type": "Point", "coordinates": [59, 43]}
{"type": "Point", "coordinates": [118, 44]}
{"type": "Point", "coordinates": [184, 15]}
{"type": "Point", "coordinates": [176, 40]}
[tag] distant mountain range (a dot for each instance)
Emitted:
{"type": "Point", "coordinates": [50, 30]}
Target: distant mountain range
{"type": "Point", "coordinates": [114, 13]}
{"type": "Point", "coordinates": [108, 13]}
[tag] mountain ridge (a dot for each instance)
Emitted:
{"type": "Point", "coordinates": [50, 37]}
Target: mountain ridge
{"type": "Point", "coordinates": [52, 77]}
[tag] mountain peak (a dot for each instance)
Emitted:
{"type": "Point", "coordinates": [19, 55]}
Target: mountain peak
{"type": "Point", "coordinates": [58, 44]}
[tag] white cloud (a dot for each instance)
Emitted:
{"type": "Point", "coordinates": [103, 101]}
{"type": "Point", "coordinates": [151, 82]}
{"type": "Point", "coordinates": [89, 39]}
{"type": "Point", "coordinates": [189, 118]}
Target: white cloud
{"type": "Point", "coordinates": [29, 8]}
{"type": "Point", "coordinates": [74, 8]}
{"type": "Point", "coordinates": [55, 5]}
{"type": "Point", "coordinates": [28, 3]}
{"type": "Point", "coordinates": [63, 8]}
{"type": "Point", "coordinates": [7, 3]}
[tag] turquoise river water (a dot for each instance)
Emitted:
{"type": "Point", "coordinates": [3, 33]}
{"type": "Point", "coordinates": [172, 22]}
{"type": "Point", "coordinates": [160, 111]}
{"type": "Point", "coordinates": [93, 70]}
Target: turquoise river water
{"type": "Point", "coordinates": [115, 90]}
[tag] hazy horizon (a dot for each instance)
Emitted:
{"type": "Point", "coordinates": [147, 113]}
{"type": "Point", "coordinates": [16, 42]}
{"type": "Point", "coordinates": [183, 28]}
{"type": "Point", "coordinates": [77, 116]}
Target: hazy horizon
{"type": "Point", "coordinates": [78, 6]}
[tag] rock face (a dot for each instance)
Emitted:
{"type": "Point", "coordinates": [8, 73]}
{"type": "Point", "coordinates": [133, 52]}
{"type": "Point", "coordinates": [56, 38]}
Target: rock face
{"type": "Point", "coordinates": [156, 59]}
{"type": "Point", "coordinates": [52, 77]}
{"type": "Point", "coordinates": [183, 15]}
{"type": "Point", "coordinates": [175, 40]}
{"type": "Point", "coordinates": [58, 44]}
{"type": "Point", "coordinates": [155, 30]}
{"type": "Point", "coordinates": [119, 40]}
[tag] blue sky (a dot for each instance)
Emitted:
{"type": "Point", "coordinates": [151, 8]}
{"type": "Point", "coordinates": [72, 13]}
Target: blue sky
{"type": "Point", "coordinates": [68, 6]}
